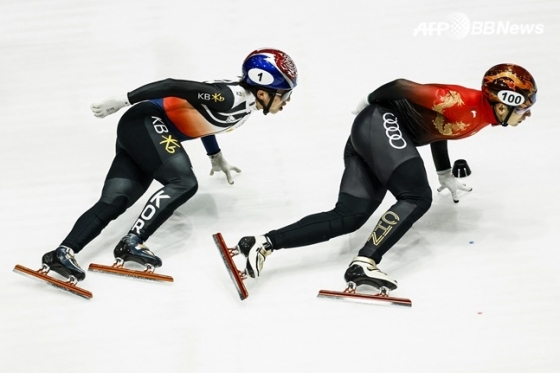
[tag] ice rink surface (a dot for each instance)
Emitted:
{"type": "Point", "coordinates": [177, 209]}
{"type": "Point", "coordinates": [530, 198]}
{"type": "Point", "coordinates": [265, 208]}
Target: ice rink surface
{"type": "Point", "coordinates": [482, 274]}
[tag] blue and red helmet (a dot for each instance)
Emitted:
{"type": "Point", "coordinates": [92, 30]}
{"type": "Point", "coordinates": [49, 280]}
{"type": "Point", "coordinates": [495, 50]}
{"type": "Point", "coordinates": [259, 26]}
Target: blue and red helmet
{"type": "Point", "coordinates": [270, 68]}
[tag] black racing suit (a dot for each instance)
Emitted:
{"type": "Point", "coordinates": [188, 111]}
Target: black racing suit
{"type": "Point", "coordinates": [381, 155]}
{"type": "Point", "coordinates": [149, 147]}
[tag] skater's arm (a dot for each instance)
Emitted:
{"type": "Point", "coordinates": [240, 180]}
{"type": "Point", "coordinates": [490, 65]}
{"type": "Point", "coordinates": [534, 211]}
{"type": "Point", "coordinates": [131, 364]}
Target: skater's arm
{"type": "Point", "coordinates": [210, 144]}
{"type": "Point", "coordinates": [440, 155]}
{"type": "Point", "coordinates": [396, 90]}
{"type": "Point", "coordinates": [214, 95]}
{"type": "Point", "coordinates": [402, 89]}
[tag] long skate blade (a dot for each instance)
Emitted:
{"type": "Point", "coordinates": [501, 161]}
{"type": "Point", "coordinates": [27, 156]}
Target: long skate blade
{"type": "Point", "coordinates": [59, 284]}
{"type": "Point", "coordinates": [121, 271]}
{"type": "Point", "coordinates": [234, 273]}
{"type": "Point", "coordinates": [367, 298]}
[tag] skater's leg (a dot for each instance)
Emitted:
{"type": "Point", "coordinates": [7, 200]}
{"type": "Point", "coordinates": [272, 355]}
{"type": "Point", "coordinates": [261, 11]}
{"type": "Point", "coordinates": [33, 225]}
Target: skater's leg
{"type": "Point", "coordinates": [153, 147]}
{"type": "Point", "coordinates": [396, 163]}
{"type": "Point", "coordinates": [124, 185]}
{"type": "Point", "coordinates": [348, 215]}
{"type": "Point", "coordinates": [146, 138]}
{"type": "Point", "coordinates": [409, 184]}
{"type": "Point", "coordinates": [180, 185]}
{"type": "Point", "coordinates": [359, 195]}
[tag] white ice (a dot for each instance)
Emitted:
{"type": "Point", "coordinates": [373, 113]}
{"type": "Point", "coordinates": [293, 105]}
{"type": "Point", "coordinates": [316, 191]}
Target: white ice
{"type": "Point", "coordinates": [482, 274]}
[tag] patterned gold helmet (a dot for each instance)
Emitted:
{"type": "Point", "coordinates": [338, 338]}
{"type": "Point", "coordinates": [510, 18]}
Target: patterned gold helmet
{"type": "Point", "coordinates": [510, 84]}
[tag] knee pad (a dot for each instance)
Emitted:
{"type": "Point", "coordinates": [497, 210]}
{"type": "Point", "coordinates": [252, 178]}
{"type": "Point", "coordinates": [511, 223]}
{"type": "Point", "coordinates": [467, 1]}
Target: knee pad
{"type": "Point", "coordinates": [409, 183]}
{"type": "Point", "coordinates": [183, 190]}
{"type": "Point", "coordinates": [107, 212]}
{"type": "Point", "coordinates": [121, 192]}
{"type": "Point", "coordinates": [425, 201]}
{"type": "Point", "coordinates": [353, 212]}
{"type": "Point", "coordinates": [178, 178]}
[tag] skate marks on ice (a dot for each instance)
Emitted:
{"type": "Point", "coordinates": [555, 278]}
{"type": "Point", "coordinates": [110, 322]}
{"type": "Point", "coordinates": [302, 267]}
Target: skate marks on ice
{"type": "Point", "coordinates": [118, 269]}
{"type": "Point", "coordinates": [350, 294]}
{"type": "Point", "coordinates": [236, 275]}
{"type": "Point", "coordinates": [42, 274]}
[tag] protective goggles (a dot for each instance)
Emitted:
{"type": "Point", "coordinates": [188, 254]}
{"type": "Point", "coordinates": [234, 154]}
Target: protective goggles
{"type": "Point", "coordinates": [522, 110]}
{"type": "Point", "coordinates": [284, 96]}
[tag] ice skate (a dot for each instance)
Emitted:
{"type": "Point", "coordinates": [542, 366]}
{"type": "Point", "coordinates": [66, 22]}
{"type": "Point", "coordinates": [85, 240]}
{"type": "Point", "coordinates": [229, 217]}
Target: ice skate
{"type": "Point", "coordinates": [236, 275]}
{"type": "Point", "coordinates": [364, 271]}
{"type": "Point", "coordinates": [62, 261]}
{"type": "Point", "coordinates": [255, 249]}
{"type": "Point", "coordinates": [132, 249]}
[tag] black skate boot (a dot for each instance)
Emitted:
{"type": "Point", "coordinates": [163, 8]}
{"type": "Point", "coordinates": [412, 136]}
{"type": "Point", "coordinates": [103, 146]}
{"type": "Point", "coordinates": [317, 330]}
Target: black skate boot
{"type": "Point", "coordinates": [255, 249]}
{"type": "Point", "coordinates": [131, 248]}
{"type": "Point", "coordinates": [63, 262]}
{"type": "Point", "coordinates": [364, 271]}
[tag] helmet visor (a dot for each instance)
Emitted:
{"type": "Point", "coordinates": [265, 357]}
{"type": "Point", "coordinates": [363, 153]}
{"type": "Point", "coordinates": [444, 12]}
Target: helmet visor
{"type": "Point", "coordinates": [522, 109]}
{"type": "Point", "coordinates": [285, 95]}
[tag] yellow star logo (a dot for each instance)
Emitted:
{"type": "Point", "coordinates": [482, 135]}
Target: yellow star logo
{"type": "Point", "coordinates": [217, 97]}
{"type": "Point", "coordinates": [170, 144]}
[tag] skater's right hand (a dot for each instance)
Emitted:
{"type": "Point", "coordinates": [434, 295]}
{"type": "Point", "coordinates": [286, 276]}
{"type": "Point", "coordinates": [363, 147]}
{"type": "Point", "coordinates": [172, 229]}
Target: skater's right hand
{"type": "Point", "coordinates": [220, 164]}
{"type": "Point", "coordinates": [361, 105]}
{"type": "Point", "coordinates": [109, 106]}
{"type": "Point", "coordinates": [448, 181]}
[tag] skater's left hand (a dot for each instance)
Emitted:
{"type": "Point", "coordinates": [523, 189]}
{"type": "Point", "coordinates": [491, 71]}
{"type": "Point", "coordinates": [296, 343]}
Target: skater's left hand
{"type": "Point", "coordinates": [448, 181]}
{"type": "Point", "coordinates": [220, 164]}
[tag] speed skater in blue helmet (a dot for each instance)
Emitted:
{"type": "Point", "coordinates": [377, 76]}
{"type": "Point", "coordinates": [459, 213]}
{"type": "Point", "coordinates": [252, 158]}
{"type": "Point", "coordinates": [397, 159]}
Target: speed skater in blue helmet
{"type": "Point", "coordinates": [268, 73]}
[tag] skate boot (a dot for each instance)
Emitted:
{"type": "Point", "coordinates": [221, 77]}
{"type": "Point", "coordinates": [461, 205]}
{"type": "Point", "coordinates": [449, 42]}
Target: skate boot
{"type": "Point", "coordinates": [63, 262]}
{"type": "Point", "coordinates": [363, 270]}
{"type": "Point", "coordinates": [131, 248]}
{"type": "Point", "coordinates": [255, 249]}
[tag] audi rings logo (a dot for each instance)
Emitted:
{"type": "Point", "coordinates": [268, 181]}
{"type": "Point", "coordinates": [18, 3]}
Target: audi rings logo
{"type": "Point", "coordinates": [393, 132]}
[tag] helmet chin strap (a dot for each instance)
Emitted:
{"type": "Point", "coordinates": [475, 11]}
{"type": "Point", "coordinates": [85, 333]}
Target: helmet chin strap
{"type": "Point", "coordinates": [266, 107]}
{"type": "Point", "coordinates": [504, 123]}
